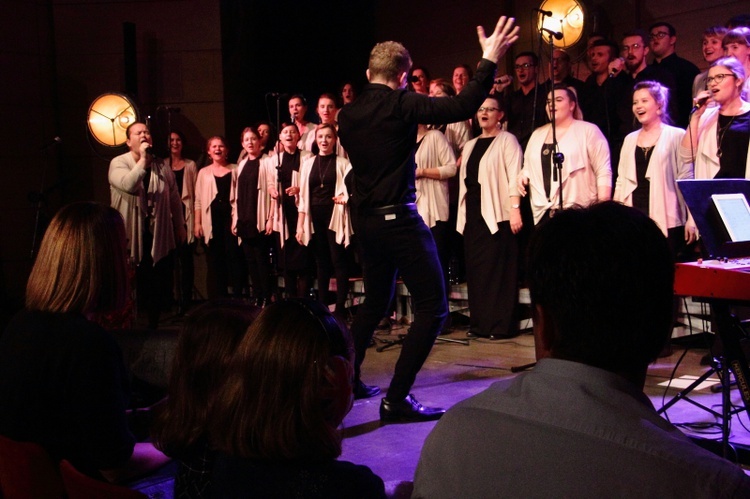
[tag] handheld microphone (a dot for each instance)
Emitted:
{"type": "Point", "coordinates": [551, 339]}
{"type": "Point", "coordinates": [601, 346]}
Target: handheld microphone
{"type": "Point", "coordinates": [556, 34]}
{"type": "Point", "coordinates": [699, 104]}
{"type": "Point", "coordinates": [150, 151]}
{"type": "Point", "coordinates": [543, 12]}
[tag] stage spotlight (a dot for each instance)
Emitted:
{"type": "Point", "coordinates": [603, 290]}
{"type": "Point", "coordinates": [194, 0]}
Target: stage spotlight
{"type": "Point", "coordinates": [568, 18]}
{"type": "Point", "coordinates": [109, 117]}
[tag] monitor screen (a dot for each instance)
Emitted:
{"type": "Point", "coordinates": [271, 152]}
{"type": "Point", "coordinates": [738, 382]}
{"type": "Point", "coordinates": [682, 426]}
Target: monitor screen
{"type": "Point", "coordinates": [734, 211]}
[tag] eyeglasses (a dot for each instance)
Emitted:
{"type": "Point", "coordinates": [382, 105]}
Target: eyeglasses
{"type": "Point", "coordinates": [628, 48]}
{"type": "Point", "coordinates": [488, 109]}
{"type": "Point", "coordinates": [658, 35]}
{"type": "Point", "coordinates": [718, 78]}
{"type": "Point", "coordinates": [525, 65]}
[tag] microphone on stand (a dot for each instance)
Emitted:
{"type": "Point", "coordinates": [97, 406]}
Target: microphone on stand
{"type": "Point", "coordinates": [556, 34]}
{"type": "Point", "coordinates": [546, 13]}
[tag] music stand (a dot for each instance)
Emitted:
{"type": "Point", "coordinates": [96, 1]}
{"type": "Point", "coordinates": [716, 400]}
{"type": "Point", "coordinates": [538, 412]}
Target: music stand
{"type": "Point", "coordinates": [698, 197]}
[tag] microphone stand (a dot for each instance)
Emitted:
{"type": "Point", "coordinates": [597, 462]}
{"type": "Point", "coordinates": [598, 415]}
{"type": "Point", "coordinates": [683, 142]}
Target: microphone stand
{"type": "Point", "coordinates": [557, 157]}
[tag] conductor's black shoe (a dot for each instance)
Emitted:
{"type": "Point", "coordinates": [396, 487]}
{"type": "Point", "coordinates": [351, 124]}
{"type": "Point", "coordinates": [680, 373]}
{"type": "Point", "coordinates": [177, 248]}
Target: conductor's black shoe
{"type": "Point", "coordinates": [363, 391]}
{"type": "Point", "coordinates": [408, 411]}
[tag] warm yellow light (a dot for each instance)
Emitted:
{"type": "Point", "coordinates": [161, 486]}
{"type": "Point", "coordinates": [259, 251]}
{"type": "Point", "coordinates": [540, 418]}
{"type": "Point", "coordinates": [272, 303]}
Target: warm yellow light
{"type": "Point", "coordinates": [567, 18]}
{"type": "Point", "coordinates": [109, 116]}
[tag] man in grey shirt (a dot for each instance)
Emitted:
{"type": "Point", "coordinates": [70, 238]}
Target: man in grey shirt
{"type": "Point", "coordinates": [579, 424]}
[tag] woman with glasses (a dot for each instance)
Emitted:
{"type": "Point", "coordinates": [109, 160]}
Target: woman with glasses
{"type": "Point", "coordinates": [489, 217]}
{"type": "Point", "coordinates": [650, 165]}
{"type": "Point", "coordinates": [717, 139]}
{"type": "Point", "coordinates": [586, 175]}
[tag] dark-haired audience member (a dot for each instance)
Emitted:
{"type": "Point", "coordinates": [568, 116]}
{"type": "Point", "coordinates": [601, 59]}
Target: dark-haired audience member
{"type": "Point", "coordinates": [525, 106]}
{"type": "Point", "coordinates": [275, 420]}
{"type": "Point", "coordinates": [324, 214]}
{"type": "Point", "coordinates": [144, 191]}
{"type": "Point", "coordinates": [650, 165]}
{"type": "Point", "coordinates": [561, 72]}
{"type": "Point", "coordinates": [603, 97]}
{"type": "Point", "coordinates": [297, 114]}
{"type": "Point", "coordinates": [712, 51]}
{"type": "Point", "coordinates": [579, 422]}
{"type": "Point", "coordinates": [663, 39]}
{"type": "Point", "coordinates": [63, 384]}
{"type": "Point", "coordinates": [419, 80]}
{"type": "Point", "coordinates": [489, 217]}
{"type": "Point", "coordinates": [736, 44]}
{"type": "Point", "coordinates": [586, 177]}
{"type": "Point", "coordinates": [718, 141]}
{"type": "Point", "coordinates": [204, 351]}
{"type": "Point", "coordinates": [283, 186]}
{"type": "Point", "coordinates": [251, 209]}
{"type": "Point", "coordinates": [462, 74]}
{"type": "Point", "coordinates": [185, 174]}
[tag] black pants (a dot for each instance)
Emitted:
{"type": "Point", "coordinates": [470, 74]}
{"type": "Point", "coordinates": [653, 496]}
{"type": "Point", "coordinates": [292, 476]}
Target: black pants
{"type": "Point", "coordinates": [330, 257]}
{"type": "Point", "coordinates": [256, 250]}
{"type": "Point", "coordinates": [184, 273]}
{"type": "Point", "coordinates": [153, 284]}
{"type": "Point", "coordinates": [391, 245]}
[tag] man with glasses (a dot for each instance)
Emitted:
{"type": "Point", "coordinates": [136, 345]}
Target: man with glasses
{"type": "Point", "coordinates": [561, 72]}
{"type": "Point", "coordinates": [525, 106]}
{"type": "Point", "coordinates": [663, 39]}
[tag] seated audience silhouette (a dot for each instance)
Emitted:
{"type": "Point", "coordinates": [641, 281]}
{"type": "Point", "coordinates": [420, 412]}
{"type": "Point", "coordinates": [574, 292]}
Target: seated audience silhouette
{"type": "Point", "coordinates": [579, 424]}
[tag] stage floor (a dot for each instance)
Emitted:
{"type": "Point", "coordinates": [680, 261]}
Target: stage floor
{"type": "Point", "coordinates": [454, 372]}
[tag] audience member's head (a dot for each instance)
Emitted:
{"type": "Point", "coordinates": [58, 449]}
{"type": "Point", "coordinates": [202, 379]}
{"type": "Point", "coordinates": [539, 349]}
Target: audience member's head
{"type": "Point", "coordinates": [461, 76]}
{"type": "Point", "coordinates": [655, 105]}
{"type": "Point", "coordinates": [81, 266]}
{"type": "Point", "coordinates": [601, 53]}
{"type": "Point", "coordinates": [289, 386]}
{"type": "Point", "coordinates": [589, 270]}
{"type": "Point", "coordinates": [388, 62]}
{"type": "Point", "coordinates": [736, 43]}
{"type": "Point", "coordinates": [635, 49]}
{"type": "Point", "coordinates": [419, 80]}
{"type": "Point", "coordinates": [663, 38]}
{"type": "Point", "coordinates": [525, 66]}
{"type": "Point", "coordinates": [711, 43]}
{"type": "Point", "coordinates": [440, 87]}
{"type": "Point", "coordinates": [204, 351]}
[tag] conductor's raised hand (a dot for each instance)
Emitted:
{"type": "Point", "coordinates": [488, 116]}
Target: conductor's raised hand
{"type": "Point", "coordinates": [498, 43]}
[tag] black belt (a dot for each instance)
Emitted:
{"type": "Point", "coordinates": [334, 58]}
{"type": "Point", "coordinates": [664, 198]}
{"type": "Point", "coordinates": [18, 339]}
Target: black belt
{"type": "Point", "coordinates": [393, 209]}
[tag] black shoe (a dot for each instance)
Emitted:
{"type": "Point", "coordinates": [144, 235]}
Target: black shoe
{"type": "Point", "coordinates": [408, 410]}
{"type": "Point", "coordinates": [363, 391]}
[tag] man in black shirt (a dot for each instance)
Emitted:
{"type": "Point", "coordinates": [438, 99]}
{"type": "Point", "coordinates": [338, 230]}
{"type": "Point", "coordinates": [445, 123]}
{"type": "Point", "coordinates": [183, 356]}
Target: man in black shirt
{"type": "Point", "coordinates": [379, 132]}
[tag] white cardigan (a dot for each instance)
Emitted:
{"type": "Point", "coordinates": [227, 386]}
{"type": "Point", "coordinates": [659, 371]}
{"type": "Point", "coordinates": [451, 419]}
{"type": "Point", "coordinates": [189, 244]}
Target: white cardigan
{"type": "Point", "coordinates": [264, 199]}
{"type": "Point", "coordinates": [188, 194]}
{"type": "Point", "coordinates": [706, 161]}
{"type": "Point", "coordinates": [340, 221]}
{"type": "Point", "coordinates": [432, 194]}
{"type": "Point", "coordinates": [665, 167]}
{"type": "Point", "coordinates": [497, 177]}
{"type": "Point", "coordinates": [585, 169]}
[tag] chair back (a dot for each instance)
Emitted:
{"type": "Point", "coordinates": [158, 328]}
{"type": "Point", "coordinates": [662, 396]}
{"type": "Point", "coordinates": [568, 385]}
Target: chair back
{"type": "Point", "coordinates": [80, 486]}
{"type": "Point", "coordinates": [27, 471]}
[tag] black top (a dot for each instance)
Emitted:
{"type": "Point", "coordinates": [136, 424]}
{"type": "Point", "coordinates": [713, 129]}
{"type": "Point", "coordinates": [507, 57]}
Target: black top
{"type": "Point", "coordinates": [323, 180]}
{"type": "Point", "coordinates": [64, 386]}
{"type": "Point", "coordinates": [247, 199]}
{"type": "Point", "coordinates": [642, 190]}
{"type": "Point", "coordinates": [732, 139]}
{"type": "Point", "coordinates": [521, 118]}
{"type": "Point", "coordinates": [602, 105]}
{"type": "Point", "coordinates": [331, 479]}
{"type": "Point", "coordinates": [684, 72]}
{"type": "Point", "coordinates": [473, 188]}
{"type": "Point", "coordinates": [547, 152]}
{"type": "Point", "coordinates": [379, 131]}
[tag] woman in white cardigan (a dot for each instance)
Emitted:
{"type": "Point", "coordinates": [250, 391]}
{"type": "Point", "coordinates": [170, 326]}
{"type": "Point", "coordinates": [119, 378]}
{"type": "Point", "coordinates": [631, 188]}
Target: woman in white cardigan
{"type": "Point", "coordinates": [185, 173]}
{"type": "Point", "coordinates": [586, 172]}
{"type": "Point", "coordinates": [435, 165]}
{"type": "Point", "coordinates": [650, 165]}
{"type": "Point", "coordinates": [717, 138]}
{"type": "Point", "coordinates": [324, 213]}
{"type": "Point", "coordinates": [489, 217]}
{"type": "Point", "coordinates": [213, 219]}
{"type": "Point", "coordinates": [250, 214]}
